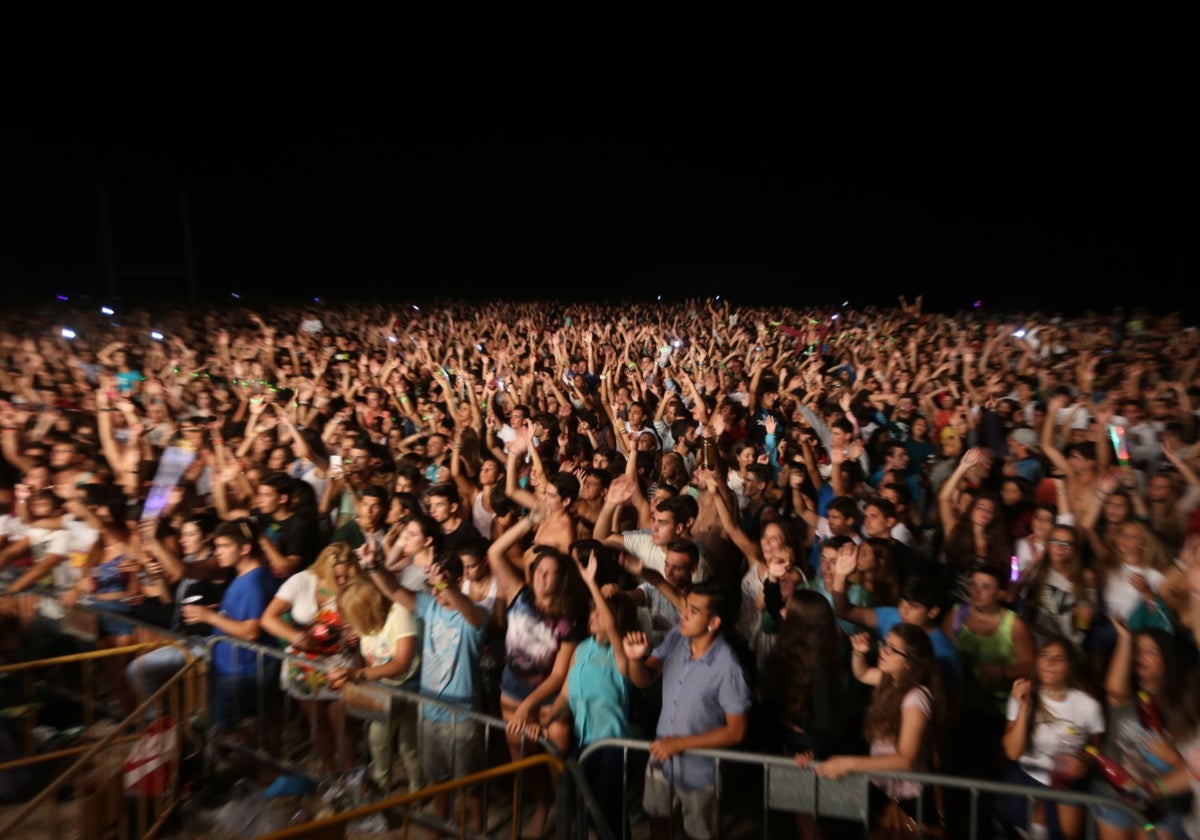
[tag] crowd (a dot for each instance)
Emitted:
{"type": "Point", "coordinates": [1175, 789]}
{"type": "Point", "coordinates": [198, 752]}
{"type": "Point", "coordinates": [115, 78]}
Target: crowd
{"type": "Point", "coordinates": [877, 540]}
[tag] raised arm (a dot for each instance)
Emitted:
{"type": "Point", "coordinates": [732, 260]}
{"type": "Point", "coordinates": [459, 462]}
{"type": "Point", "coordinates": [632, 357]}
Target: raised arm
{"type": "Point", "coordinates": [847, 563]}
{"type": "Point", "coordinates": [511, 489]}
{"type": "Point", "coordinates": [619, 492]}
{"type": "Point", "coordinates": [949, 491]}
{"type": "Point", "coordinates": [1056, 457]}
{"type": "Point", "coordinates": [747, 546]}
{"type": "Point", "coordinates": [509, 578]}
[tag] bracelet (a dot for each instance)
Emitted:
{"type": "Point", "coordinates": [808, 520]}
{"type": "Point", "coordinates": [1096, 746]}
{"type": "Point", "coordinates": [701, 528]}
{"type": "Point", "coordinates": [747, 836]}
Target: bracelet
{"type": "Point", "coordinates": [304, 404]}
{"type": "Point", "coordinates": [1162, 789]}
{"type": "Point", "coordinates": [857, 653]}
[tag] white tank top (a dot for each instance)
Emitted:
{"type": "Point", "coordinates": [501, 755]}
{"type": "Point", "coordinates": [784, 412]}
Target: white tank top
{"type": "Point", "coordinates": [482, 518]}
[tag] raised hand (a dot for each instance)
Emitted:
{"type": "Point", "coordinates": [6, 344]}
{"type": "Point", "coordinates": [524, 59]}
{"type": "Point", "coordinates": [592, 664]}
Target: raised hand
{"type": "Point", "coordinates": [972, 457]}
{"type": "Point", "coordinates": [1021, 691]}
{"type": "Point", "coordinates": [620, 490]}
{"type": "Point", "coordinates": [861, 643]}
{"type": "Point", "coordinates": [636, 645]}
{"type": "Point", "coordinates": [632, 564]}
{"type": "Point", "coordinates": [588, 571]}
{"type": "Point", "coordinates": [778, 566]}
{"type": "Point", "coordinates": [847, 560]}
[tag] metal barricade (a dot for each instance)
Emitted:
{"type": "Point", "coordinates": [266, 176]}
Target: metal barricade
{"type": "Point", "coordinates": [786, 788]}
{"type": "Point", "coordinates": [267, 713]}
{"type": "Point", "coordinates": [403, 806]}
{"type": "Point", "coordinates": [125, 783]}
{"type": "Point", "coordinates": [373, 702]}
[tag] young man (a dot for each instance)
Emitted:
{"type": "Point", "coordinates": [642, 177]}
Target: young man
{"type": "Point", "coordinates": [454, 625]}
{"type": "Point", "coordinates": [920, 604]}
{"type": "Point", "coordinates": [670, 521]}
{"type": "Point", "coordinates": [840, 520]}
{"type": "Point", "coordinates": [878, 520]}
{"type": "Point", "coordinates": [664, 594]}
{"type": "Point", "coordinates": [233, 682]}
{"type": "Point", "coordinates": [705, 703]}
{"type": "Point", "coordinates": [443, 503]}
{"type": "Point", "coordinates": [288, 541]}
{"type": "Point", "coordinates": [372, 510]}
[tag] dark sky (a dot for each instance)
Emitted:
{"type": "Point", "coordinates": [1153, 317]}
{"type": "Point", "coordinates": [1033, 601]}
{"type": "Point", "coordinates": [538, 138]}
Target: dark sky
{"type": "Point", "coordinates": [1021, 183]}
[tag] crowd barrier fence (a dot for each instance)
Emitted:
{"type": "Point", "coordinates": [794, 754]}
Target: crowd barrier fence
{"type": "Point", "coordinates": [788, 788]}
{"type": "Point", "coordinates": [125, 783]}
{"type": "Point", "coordinates": [785, 787]}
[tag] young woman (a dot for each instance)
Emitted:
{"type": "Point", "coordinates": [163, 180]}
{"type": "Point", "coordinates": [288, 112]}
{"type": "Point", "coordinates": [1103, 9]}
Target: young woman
{"type": "Point", "coordinates": [306, 601]}
{"type": "Point", "coordinates": [1131, 575]}
{"type": "Point", "coordinates": [390, 645]}
{"type": "Point", "coordinates": [1031, 548]}
{"type": "Point", "coordinates": [595, 694]}
{"type": "Point", "coordinates": [544, 626]}
{"type": "Point", "coordinates": [900, 720]}
{"type": "Point", "coordinates": [877, 573]}
{"type": "Point", "coordinates": [1050, 720]}
{"type": "Point", "coordinates": [1146, 680]}
{"type": "Point", "coordinates": [742, 454]}
{"type": "Point", "coordinates": [802, 682]}
{"type": "Point", "coordinates": [410, 549]}
{"type": "Point", "coordinates": [1059, 598]}
{"type": "Point", "coordinates": [1016, 506]}
{"type": "Point", "coordinates": [978, 534]}
{"type": "Point", "coordinates": [477, 493]}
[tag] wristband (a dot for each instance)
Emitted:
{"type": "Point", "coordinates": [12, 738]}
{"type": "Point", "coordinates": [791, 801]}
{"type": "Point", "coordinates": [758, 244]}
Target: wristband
{"type": "Point", "coordinates": [1162, 789]}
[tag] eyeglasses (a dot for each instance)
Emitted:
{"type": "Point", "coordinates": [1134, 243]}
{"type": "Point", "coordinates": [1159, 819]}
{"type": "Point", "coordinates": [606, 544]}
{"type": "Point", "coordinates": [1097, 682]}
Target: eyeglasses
{"type": "Point", "coordinates": [1063, 543]}
{"type": "Point", "coordinates": [888, 646]}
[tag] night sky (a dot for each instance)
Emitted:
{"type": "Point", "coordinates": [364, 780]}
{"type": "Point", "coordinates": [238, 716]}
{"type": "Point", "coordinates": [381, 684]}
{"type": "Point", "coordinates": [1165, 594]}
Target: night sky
{"type": "Point", "coordinates": [1025, 185]}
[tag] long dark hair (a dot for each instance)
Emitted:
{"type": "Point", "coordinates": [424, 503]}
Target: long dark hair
{"type": "Point", "coordinates": [1032, 596]}
{"type": "Point", "coordinates": [1075, 679]}
{"type": "Point", "coordinates": [883, 716]}
{"type": "Point", "coordinates": [808, 640]}
{"type": "Point", "coordinates": [960, 542]}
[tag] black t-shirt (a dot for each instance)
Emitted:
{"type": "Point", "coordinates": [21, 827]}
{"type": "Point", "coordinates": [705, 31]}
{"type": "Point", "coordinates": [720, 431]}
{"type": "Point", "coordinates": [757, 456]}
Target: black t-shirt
{"type": "Point", "coordinates": [462, 536]}
{"type": "Point", "coordinates": [294, 535]}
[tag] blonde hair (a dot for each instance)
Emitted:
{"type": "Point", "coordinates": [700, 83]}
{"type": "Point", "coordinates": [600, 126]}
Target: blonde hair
{"type": "Point", "coordinates": [334, 555]}
{"type": "Point", "coordinates": [363, 606]}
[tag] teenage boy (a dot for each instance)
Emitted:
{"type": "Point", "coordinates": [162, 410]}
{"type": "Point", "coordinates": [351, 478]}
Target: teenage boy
{"type": "Point", "coordinates": [705, 703]}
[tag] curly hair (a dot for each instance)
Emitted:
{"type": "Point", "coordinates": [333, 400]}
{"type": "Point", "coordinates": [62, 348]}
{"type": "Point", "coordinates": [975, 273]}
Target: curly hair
{"type": "Point", "coordinates": [808, 640]}
{"type": "Point", "coordinates": [883, 716]}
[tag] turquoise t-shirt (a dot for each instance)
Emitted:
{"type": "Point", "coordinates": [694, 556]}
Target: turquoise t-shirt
{"type": "Point", "coordinates": [598, 694]}
{"type": "Point", "coordinates": [449, 658]}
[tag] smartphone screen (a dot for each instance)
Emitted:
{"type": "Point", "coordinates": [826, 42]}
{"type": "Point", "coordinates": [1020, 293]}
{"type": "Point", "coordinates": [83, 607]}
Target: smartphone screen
{"type": "Point", "coordinates": [1117, 435]}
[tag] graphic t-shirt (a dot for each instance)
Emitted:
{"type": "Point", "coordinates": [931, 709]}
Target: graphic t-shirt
{"type": "Point", "coordinates": [531, 644]}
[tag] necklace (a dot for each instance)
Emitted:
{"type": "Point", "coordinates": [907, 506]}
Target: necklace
{"type": "Point", "coordinates": [1056, 695]}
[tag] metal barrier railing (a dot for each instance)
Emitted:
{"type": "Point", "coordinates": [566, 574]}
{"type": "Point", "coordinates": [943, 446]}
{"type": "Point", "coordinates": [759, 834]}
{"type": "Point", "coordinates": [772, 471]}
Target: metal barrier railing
{"type": "Point", "coordinates": [126, 781]}
{"type": "Point", "coordinates": [791, 789]}
{"type": "Point", "coordinates": [370, 702]}
{"type": "Point", "coordinates": [85, 696]}
{"type": "Point", "coordinates": [335, 826]}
